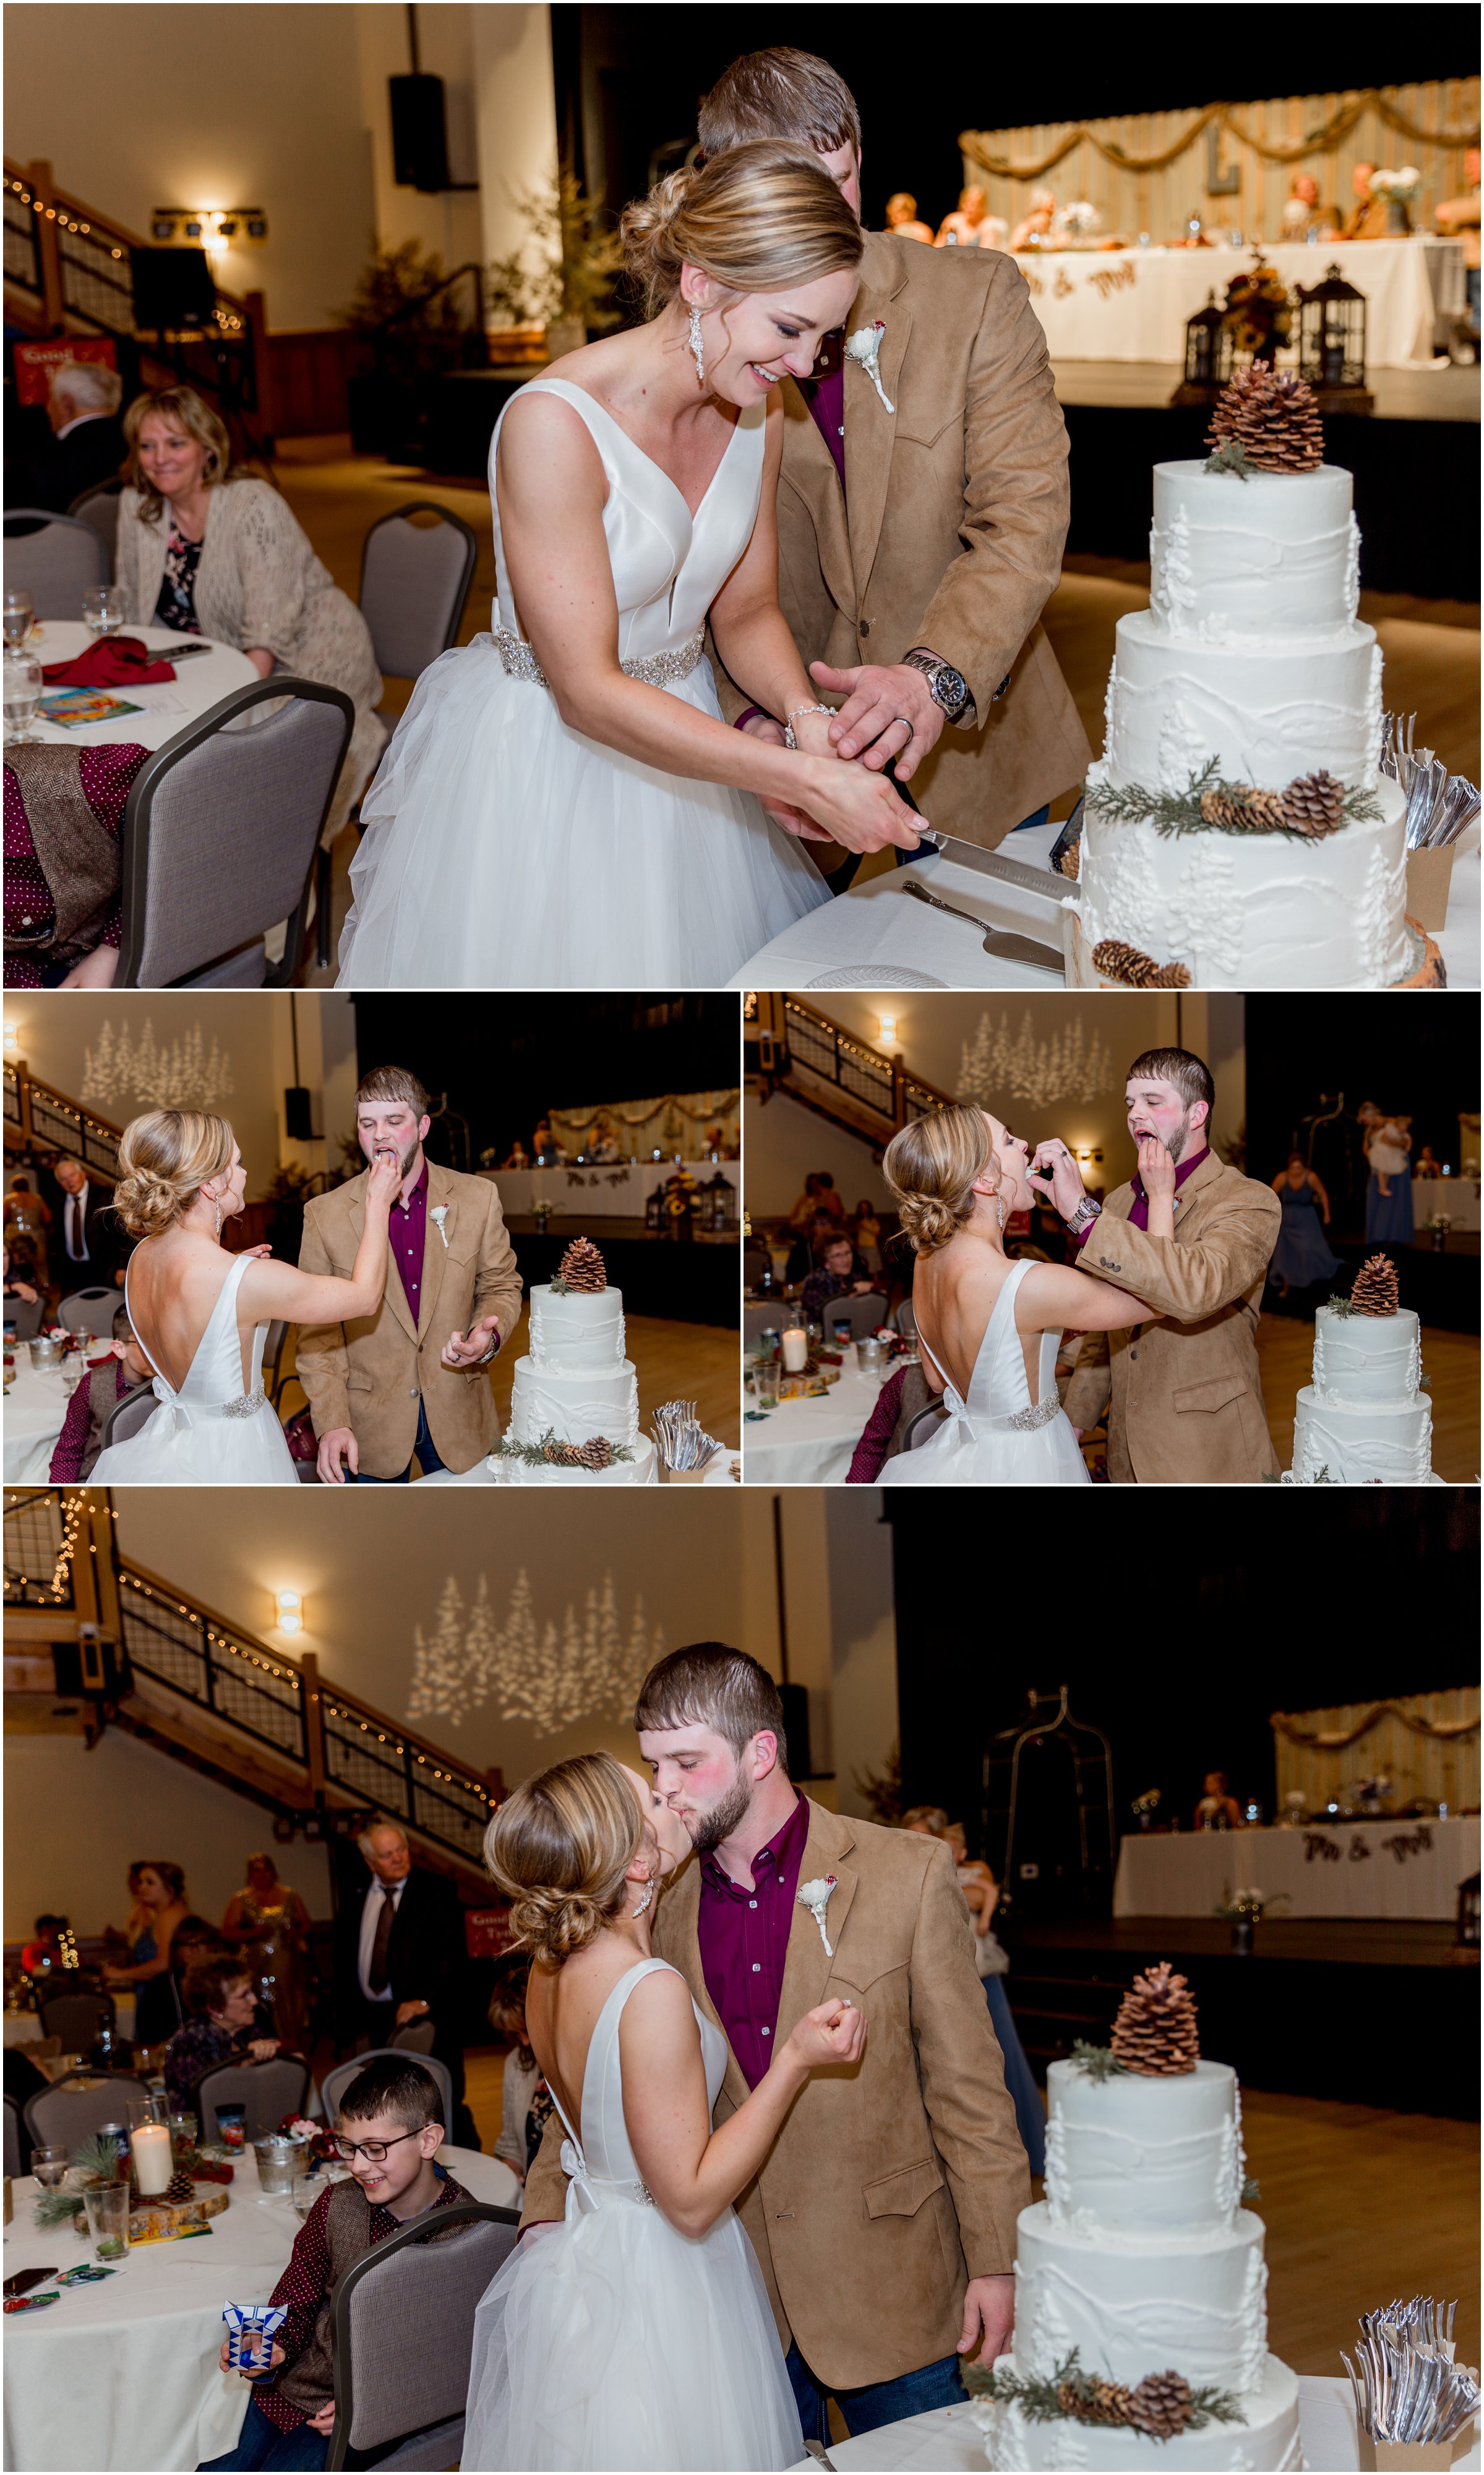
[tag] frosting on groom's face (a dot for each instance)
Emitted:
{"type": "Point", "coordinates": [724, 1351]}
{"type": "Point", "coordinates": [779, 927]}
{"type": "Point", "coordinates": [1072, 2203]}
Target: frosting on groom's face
{"type": "Point", "coordinates": [383, 1125]}
{"type": "Point", "coordinates": [1158, 1109]}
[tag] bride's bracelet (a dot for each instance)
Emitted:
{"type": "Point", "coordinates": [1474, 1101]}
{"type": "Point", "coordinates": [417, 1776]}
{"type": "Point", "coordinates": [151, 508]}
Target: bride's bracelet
{"type": "Point", "coordinates": [789, 739]}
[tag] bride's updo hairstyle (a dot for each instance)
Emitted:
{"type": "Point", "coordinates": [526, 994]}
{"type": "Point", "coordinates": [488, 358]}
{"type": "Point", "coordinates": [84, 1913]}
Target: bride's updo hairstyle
{"type": "Point", "coordinates": [755, 219]}
{"type": "Point", "coordinates": [930, 1167]}
{"type": "Point", "coordinates": [164, 1159]}
{"type": "Point", "coordinates": [559, 1849]}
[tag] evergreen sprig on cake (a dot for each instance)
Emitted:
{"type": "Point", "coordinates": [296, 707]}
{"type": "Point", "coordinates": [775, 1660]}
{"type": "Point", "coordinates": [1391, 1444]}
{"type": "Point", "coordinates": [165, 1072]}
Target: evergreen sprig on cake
{"type": "Point", "coordinates": [1161, 2406]}
{"type": "Point", "coordinates": [1155, 2032]}
{"type": "Point", "coordinates": [554, 1452]}
{"type": "Point", "coordinates": [1266, 421]}
{"type": "Point", "coordinates": [1307, 809]}
{"type": "Point", "coordinates": [1376, 1290]}
{"type": "Point", "coordinates": [581, 1270]}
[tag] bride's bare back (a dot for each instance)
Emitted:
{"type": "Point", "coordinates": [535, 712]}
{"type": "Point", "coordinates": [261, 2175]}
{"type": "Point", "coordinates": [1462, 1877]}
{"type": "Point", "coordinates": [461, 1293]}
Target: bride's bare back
{"type": "Point", "coordinates": [957, 1286]}
{"type": "Point", "coordinates": [174, 1284]}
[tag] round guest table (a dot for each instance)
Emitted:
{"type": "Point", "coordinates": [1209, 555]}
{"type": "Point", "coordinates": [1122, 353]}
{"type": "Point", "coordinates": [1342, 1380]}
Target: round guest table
{"type": "Point", "coordinates": [809, 1443]}
{"type": "Point", "coordinates": [198, 685]}
{"type": "Point", "coordinates": [124, 2374]}
{"type": "Point", "coordinates": [35, 1409]}
{"type": "Point", "coordinates": [1345, 1869]}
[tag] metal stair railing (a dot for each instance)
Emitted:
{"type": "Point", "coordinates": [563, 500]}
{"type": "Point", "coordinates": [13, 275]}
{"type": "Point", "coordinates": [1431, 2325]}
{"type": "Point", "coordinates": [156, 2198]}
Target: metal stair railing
{"type": "Point", "coordinates": [37, 1114]}
{"type": "Point", "coordinates": [866, 1077]}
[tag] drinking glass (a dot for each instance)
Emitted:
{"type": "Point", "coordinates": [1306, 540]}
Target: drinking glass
{"type": "Point", "coordinates": [764, 1385]}
{"type": "Point", "coordinates": [107, 2219]}
{"type": "Point", "coordinates": [304, 2191]}
{"type": "Point", "coordinates": [23, 695]}
{"type": "Point", "coordinates": [102, 610]}
{"type": "Point", "coordinates": [184, 2129]}
{"type": "Point", "coordinates": [49, 2166]}
{"type": "Point", "coordinates": [20, 615]}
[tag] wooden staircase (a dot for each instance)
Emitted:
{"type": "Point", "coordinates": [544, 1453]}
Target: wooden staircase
{"type": "Point", "coordinates": [94, 1640]}
{"type": "Point", "coordinates": [792, 1048]}
{"type": "Point", "coordinates": [38, 1119]}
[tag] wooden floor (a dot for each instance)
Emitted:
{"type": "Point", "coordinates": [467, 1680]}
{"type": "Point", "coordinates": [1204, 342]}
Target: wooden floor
{"type": "Point", "coordinates": [1450, 1362]}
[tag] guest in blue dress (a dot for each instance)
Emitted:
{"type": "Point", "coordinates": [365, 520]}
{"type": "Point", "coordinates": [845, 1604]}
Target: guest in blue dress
{"type": "Point", "coordinates": [982, 1894]}
{"type": "Point", "coordinates": [1302, 1256]}
{"type": "Point", "coordinates": [1389, 1192]}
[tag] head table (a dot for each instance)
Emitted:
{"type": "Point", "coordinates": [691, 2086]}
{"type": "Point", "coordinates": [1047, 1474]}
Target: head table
{"type": "Point", "coordinates": [124, 2374]}
{"type": "Point", "coordinates": [1345, 1869]}
{"type": "Point", "coordinates": [615, 1190]}
{"type": "Point", "coordinates": [165, 710]}
{"type": "Point", "coordinates": [809, 1443]}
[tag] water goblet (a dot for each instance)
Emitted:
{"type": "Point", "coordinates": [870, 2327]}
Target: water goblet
{"type": "Point", "coordinates": [103, 610]}
{"type": "Point", "coordinates": [20, 695]}
{"type": "Point", "coordinates": [48, 2167]}
{"type": "Point", "coordinates": [19, 617]}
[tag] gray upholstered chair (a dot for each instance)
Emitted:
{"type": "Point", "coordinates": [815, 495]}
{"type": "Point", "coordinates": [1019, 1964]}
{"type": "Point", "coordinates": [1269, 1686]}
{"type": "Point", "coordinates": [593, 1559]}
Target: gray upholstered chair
{"type": "Point", "coordinates": [220, 835]}
{"type": "Point", "coordinates": [23, 1316]}
{"type": "Point", "coordinates": [269, 2090]}
{"type": "Point", "coordinates": [923, 1426]}
{"type": "Point", "coordinates": [132, 1411]}
{"type": "Point", "coordinates": [90, 1310]}
{"type": "Point", "coordinates": [274, 1349]}
{"type": "Point", "coordinates": [54, 558]}
{"type": "Point", "coordinates": [906, 1320]}
{"type": "Point", "coordinates": [415, 580]}
{"type": "Point", "coordinates": [335, 2082]}
{"type": "Point", "coordinates": [762, 1315]}
{"type": "Point", "coordinates": [14, 2144]}
{"type": "Point", "coordinates": [78, 2018]}
{"type": "Point", "coordinates": [403, 2336]}
{"type": "Point", "coordinates": [66, 2114]}
{"type": "Point", "coordinates": [865, 1313]}
{"type": "Point", "coordinates": [99, 509]}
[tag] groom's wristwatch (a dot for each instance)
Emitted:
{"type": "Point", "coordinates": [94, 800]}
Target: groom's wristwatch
{"type": "Point", "coordinates": [949, 688]}
{"type": "Point", "coordinates": [1087, 1211]}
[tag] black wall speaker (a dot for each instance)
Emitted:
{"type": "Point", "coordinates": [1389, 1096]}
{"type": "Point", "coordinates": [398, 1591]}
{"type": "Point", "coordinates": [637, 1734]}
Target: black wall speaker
{"type": "Point", "coordinates": [297, 1114]}
{"type": "Point", "coordinates": [173, 288]}
{"type": "Point", "coordinates": [420, 145]}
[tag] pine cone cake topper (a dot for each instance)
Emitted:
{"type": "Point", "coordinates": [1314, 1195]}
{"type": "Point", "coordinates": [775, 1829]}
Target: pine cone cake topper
{"type": "Point", "coordinates": [1376, 1291]}
{"type": "Point", "coordinates": [1272, 419]}
{"type": "Point", "coordinates": [582, 1269]}
{"type": "Point", "coordinates": [1155, 2030]}
{"type": "Point", "coordinates": [1116, 961]}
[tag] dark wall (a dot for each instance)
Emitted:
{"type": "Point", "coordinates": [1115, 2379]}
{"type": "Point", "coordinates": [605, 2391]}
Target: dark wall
{"type": "Point", "coordinates": [1424, 1060]}
{"type": "Point", "coordinates": [1208, 1613]}
{"type": "Point", "coordinates": [500, 1061]}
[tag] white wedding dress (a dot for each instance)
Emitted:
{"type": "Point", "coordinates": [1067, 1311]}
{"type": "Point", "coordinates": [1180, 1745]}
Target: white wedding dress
{"type": "Point", "coordinates": [210, 1433]}
{"type": "Point", "coordinates": [617, 2341]}
{"type": "Point", "coordinates": [998, 1436]}
{"type": "Point", "coordinates": [504, 850]}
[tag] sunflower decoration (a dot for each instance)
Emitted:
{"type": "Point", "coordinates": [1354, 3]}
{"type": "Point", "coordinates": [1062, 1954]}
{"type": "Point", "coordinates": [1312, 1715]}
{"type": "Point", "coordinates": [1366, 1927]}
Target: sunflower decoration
{"type": "Point", "coordinates": [1258, 310]}
{"type": "Point", "coordinates": [682, 1198]}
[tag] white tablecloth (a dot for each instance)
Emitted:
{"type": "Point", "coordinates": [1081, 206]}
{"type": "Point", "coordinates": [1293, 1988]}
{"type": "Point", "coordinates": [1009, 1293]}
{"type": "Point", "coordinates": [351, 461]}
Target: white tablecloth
{"type": "Point", "coordinates": [1132, 304]}
{"type": "Point", "coordinates": [198, 684]}
{"type": "Point", "coordinates": [1457, 1196]}
{"type": "Point", "coordinates": [949, 2439]}
{"type": "Point", "coordinates": [1353, 1869]}
{"type": "Point", "coordinates": [35, 1408]}
{"type": "Point", "coordinates": [876, 924]}
{"type": "Point", "coordinates": [809, 1443]}
{"type": "Point", "coordinates": [617, 1194]}
{"type": "Point", "coordinates": [124, 2374]}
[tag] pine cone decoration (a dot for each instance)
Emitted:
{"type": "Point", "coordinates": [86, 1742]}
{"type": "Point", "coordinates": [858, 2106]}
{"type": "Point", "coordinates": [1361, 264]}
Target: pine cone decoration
{"type": "Point", "coordinates": [1273, 418]}
{"type": "Point", "coordinates": [1096, 2401]}
{"type": "Point", "coordinates": [1117, 961]}
{"type": "Point", "coordinates": [1238, 810]}
{"type": "Point", "coordinates": [1160, 2405]}
{"type": "Point", "coordinates": [1155, 2030]}
{"type": "Point", "coordinates": [596, 1455]}
{"type": "Point", "coordinates": [1314, 804]}
{"type": "Point", "coordinates": [582, 1267]}
{"type": "Point", "coordinates": [1070, 861]}
{"type": "Point", "coordinates": [1376, 1291]}
{"type": "Point", "coordinates": [179, 2188]}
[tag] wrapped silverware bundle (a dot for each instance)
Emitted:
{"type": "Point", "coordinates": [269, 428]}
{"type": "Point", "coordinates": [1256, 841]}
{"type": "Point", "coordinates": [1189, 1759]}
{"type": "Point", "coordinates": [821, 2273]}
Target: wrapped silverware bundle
{"type": "Point", "coordinates": [1408, 2390]}
{"type": "Point", "coordinates": [679, 1438]}
{"type": "Point", "coordinates": [1440, 806]}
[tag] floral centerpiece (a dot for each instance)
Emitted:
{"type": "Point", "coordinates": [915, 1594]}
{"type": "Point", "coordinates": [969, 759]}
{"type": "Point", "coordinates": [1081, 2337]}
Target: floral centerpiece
{"type": "Point", "coordinates": [1258, 311]}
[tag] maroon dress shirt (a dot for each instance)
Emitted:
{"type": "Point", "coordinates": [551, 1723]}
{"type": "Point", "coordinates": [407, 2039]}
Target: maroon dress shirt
{"type": "Point", "coordinates": [1138, 1218]}
{"type": "Point", "coordinates": [303, 2284]}
{"type": "Point", "coordinates": [825, 396]}
{"type": "Point", "coordinates": [744, 1938]}
{"type": "Point", "coordinates": [408, 1234]}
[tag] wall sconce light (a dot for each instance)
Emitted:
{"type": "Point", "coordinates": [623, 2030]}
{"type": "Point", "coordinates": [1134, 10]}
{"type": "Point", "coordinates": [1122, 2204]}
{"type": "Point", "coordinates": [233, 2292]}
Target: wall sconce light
{"type": "Point", "coordinates": [288, 1611]}
{"type": "Point", "coordinates": [1084, 1158]}
{"type": "Point", "coordinates": [210, 228]}
{"type": "Point", "coordinates": [11, 1040]}
{"type": "Point", "coordinates": [886, 1030]}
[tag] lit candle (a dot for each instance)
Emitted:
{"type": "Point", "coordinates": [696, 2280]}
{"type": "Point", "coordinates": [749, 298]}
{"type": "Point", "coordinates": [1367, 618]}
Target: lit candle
{"type": "Point", "coordinates": [796, 1350]}
{"type": "Point", "coordinates": [151, 2163]}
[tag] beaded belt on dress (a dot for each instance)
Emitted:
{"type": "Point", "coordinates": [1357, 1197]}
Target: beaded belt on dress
{"type": "Point", "coordinates": [246, 1406]}
{"type": "Point", "coordinates": [656, 670]}
{"type": "Point", "coordinates": [1025, 1419]}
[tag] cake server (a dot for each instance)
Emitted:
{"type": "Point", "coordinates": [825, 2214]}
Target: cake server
{"type": "Point", "coordinates": [1049, 885]}
{"type": "Point", "coordinates": [1001, 942]}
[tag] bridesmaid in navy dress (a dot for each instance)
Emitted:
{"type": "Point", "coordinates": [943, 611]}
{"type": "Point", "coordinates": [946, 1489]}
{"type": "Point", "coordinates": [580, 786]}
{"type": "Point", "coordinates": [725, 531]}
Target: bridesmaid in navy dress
{"type": "Point", "coordinates": [1302, 1256]}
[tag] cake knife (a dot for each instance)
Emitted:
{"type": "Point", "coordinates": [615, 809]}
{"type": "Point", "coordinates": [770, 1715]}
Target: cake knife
{"type": "Point", "coordinates": [1051, 887]}
{"type": "Point", "coordinates": [1001, 942]}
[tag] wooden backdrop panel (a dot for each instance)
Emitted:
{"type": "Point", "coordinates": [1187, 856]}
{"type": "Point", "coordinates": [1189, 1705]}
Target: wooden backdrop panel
{"type": "Point", "coordinates": [1443, 1768]}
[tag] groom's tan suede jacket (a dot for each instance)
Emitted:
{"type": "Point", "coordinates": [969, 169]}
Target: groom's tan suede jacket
{"type": "Point", "coordinates": [892, 2184]}
{"type": "Point", "coordinates": [951, 528]}
{"type": "Point", "coordinates": [1183, 1393]}
{"type": "Point", "coordinates": [369, 1376]}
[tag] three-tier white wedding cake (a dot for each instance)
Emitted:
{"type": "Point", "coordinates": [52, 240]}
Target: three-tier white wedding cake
{"type": "Point", "coordinates": [575, 1392]}
{"type": "Point", "coordinates": [1365, 1420]}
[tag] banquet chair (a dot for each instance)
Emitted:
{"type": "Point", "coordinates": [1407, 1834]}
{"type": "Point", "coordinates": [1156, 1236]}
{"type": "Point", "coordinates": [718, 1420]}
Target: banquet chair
{"type": "Point", "coordinates": [335, 2082]}
{"type": "Point", "coordinates": [23, 1317]}
{"type": "Point", "coordinates": [269, 2090]}
{"type": "Point", "coordinates": [219, 838]}
{"type": "Point", "coordinates": [921, 1427]}
{"type": "Point", "coordinates": [66, 2114]}
{"type": "Point", "coordinates": [78, 2018]}
{"type": "Point", "coordinates": [13, 2169]}
{"type": "Point", "coordinates": [906, 1321]}
{"type": "Point", "coordinates": [403, 2336]}
{"type": "Point", "coordinates": [132, 1411]}
{"type": "Point", "coordinates": [274, 1377]}
{"type": "Point", "coordinates": [54, 558]}
{"type": "Point", "coordinates": [415, 580]}
{"type": "Point", "coordinates": [90, 1310]}
{"type": "Point", "coordinates": [99, 507]}
{"type": "Point", "coordinates": [864, 1314]}
{"type": "Point", "coordinates": [762, 1315]}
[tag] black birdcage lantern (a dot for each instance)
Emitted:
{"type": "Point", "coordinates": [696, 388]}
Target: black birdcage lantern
{"type": "Point", "coordinates": [1332, 344]}
{"type": "Point", "coordinates": [1468, 1913]}
{"type": "Point", "coordinates": [1207, 356]}
{"type": "Point", "coordinates": [654, 1210]}
{"type": "Point", "coordinates": [718, 1203]}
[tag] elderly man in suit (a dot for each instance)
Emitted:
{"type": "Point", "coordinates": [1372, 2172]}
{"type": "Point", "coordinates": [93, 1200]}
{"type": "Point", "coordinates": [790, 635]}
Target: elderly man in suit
{"type": "Point", "coordinates": [398, 1951]}
{"type": "Point", "coordinates": [884, 2219]}
{"type": "Point", "coordinates": [87, 444]}
{"type": "Point", "coordinates": [922, 504]}
{"type": "Point", "coordinates": [88, 1244]}
{"type": "Point", "coordinates": [386, 1388]}
{"type": "Point", "coordinates": [1183, 1393]}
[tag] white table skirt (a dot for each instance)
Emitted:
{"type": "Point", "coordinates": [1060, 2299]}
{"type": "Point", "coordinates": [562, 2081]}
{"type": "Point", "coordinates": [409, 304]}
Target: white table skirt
{"type": "Point", "coordinates": [1132, 304]}
{"type": "Point", "coordinates": [1457, 1196]}
{"type": "Point", "coordinates": [124, 2374]}
{"type": "Point", "coordinates": [1182, 1874]}
{"type": "Point", "coordinates": [949, 2439]}
{"type": "Point", "coordinates": [809, 1443]}
{"type": "Point", "coordinates": [36, 1406]}
{"type": "Point", "coordinates": [166, 710]}
{"type": "Point", "coordinates": [875, 925]}
{"type": "Point", "coordinates": [617, 1193]}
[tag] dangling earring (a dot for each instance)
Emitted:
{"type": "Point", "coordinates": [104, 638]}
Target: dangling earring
{"type": "Point", "coordinates": [217, 1208]}
{"type": "Point", "coordinates": [644, 1901]}
{"type": "Point", "coordinates": [698, 346]}
{"type": "Point", "coordinates": [1002, 1208]}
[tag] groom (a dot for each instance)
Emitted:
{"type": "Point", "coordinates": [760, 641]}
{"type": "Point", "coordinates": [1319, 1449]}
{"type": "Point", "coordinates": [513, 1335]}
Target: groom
{"type": "Point", "coordinates": [1182, 1392]}
{"type": "Point", "coordinates": [884, 2221]}
{"type": "Point", "coordinates": [383, 1390]}
{"type": "Point", "coordinates": [920, 522]}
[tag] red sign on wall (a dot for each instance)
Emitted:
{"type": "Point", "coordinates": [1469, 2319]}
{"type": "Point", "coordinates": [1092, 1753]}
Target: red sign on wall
{"type": "Point", "coordinates": [36, 362]}
{"type": "Point", "coordinates": [486, 1932]}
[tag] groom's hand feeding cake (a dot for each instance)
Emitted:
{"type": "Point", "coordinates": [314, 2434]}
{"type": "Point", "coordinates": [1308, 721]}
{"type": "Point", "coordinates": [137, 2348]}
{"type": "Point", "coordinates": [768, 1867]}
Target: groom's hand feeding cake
{"type": "Point", "coordinates": [1141, 2281]}
{"type": "Point", "coordinates": [575, 1399]}
{"type": "Point", "coordinates": [1365, 1420]}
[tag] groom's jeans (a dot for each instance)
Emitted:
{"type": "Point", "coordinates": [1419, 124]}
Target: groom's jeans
{"type": "Point", "coordinates": [426, 1457]}
{"type": "Point", "coordinates": [883, 2402]}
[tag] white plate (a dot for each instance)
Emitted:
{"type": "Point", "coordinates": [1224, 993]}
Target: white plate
{"type": "Point", "coordinates": [875, 975]}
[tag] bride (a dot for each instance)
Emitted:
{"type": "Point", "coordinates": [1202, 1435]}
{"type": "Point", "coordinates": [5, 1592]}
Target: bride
{"type": "Point", "coordinates": [562, 805]}
{"type": "Point", "coordinates": [638, 2334]}
{"type": "Point", "coordinates": [988, 1328]}
{"type": "Point", "coordinates": [201, 1315]}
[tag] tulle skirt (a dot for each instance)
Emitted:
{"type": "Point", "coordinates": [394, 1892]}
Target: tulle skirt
{"type": "Point", "coordinates": [504, 849]}
{"type": "Point", "coordinates": [182, 1447]}
{"type": "Point", "coordinates": [995, 1456]}
{"type": "Point", "coordinates": [616, 2343]}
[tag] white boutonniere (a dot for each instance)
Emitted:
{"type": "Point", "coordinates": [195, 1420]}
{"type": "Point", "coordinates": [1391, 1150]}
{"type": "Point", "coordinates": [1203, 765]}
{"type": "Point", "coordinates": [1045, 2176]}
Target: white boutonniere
{"type": "Point", "coordinates": [815, 1897]}
{"type": "Point", "coordinates": [438, 1215]}
{"type": "Point", "coordinates": [864, 348]}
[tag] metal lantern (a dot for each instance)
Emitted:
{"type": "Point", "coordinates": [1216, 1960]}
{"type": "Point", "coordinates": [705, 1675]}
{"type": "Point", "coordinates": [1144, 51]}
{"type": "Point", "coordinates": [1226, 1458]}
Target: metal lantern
{"type": "Point", "coordinates": [1207, 356]}
{"type": "Point", "coordinates": [1332, 344]}
{"type": "Point", "coordinates": [654, 1210]}
{"type": "Point", "coordinates": [1468, 1913]}
{"type": "Point", "coordinates": [717, 1203]}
